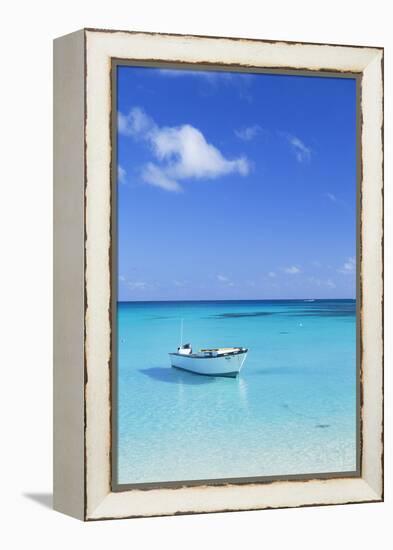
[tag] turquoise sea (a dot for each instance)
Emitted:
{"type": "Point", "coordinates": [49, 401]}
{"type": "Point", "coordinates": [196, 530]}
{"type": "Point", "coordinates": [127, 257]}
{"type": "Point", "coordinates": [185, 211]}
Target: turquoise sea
{"type": "Point", "coordinates": [292, 410]}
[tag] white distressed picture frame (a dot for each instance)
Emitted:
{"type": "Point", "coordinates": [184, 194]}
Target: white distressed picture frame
{"type": "Point", "coordinates": [82, 247]}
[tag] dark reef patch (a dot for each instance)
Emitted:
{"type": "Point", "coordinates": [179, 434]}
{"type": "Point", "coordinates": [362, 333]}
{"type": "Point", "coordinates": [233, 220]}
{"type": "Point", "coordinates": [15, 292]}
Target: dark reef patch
{"type": "Point", "coordinates": [339, 312]}
{"type": "Point", "coordinates": [240, 315]}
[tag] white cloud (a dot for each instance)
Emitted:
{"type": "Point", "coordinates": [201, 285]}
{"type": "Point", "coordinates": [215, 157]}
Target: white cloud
{"type": "Point", "coordinates": [272, 274]}
{"type": "Point", "coordinates": [154, 175]}
{"type": "Point", "coordinates": [225, 280]}
{"type": "Point", "coordinates": [240, 81]}
{"type": "Point", "coordinates": [181, 152]}
{"type": "Point", "coordinates": [191, 156]}
{"type": "Point", "coordinates": [330, 283]}
{"type": "Point", "coordinates": [331, 197]}
{"type": "Point", "coordinates": [121, 174]}
{"type": "Point", "coordinates": [349, 267]}
{"type": "Point", "coordinates": [322, 282]}
{"type": "Point", "coordinates": [248, 133]}
{"type": "Point", "coordinates": [292, 270]}
{"type": "Point", "coordinates": [209, 76]}
{"type": "Point", "coordinates": [302, 152]}
{"type": "Point", "coordinates": [136, 123]}
{"type": "Point", "coordinates": [180, 283]}
{"type": "Point", "coordinates": [137, 285]}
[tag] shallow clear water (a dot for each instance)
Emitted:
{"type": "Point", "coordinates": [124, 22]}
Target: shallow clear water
{"type": "Point", "coordinates": [292, 410]}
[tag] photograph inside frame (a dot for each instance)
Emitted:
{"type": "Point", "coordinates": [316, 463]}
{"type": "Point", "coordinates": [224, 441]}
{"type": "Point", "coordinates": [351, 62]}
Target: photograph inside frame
{"type": "Point", "coordinates": [235, 275]}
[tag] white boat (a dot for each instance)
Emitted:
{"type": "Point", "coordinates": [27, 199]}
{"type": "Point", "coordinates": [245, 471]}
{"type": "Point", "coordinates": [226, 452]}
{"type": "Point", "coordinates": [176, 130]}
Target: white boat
{"type": "Point", "coordinates": [210, 362]}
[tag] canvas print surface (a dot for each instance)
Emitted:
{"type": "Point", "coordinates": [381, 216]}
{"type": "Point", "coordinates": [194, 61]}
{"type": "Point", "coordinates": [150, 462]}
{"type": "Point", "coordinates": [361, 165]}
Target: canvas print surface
{"type": "Point", "coordinates": [236, 315]}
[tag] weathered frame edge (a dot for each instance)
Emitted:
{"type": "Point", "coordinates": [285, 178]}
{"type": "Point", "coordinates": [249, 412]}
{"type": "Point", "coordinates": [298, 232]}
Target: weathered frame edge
{"type": "Point", "coordinates": [69, 278]}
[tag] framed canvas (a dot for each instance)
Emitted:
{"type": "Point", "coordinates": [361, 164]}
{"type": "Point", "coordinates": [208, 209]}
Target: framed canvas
{"type": "Point", "coordinates": [218, 266]}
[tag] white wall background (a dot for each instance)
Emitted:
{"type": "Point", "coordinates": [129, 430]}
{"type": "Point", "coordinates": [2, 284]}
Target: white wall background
{"type": "Point", "coordinates": [25, 217]}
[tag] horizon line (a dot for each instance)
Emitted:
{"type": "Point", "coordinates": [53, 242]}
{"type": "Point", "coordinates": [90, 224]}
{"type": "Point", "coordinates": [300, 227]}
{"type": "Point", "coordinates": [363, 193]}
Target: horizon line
{"type": "Point", "coordinates": [241, 300]}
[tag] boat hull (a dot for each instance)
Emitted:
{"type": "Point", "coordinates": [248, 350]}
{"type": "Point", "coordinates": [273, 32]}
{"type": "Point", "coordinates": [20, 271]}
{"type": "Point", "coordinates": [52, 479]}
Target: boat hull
{"type": "Point", "coordinates": [226, 365]}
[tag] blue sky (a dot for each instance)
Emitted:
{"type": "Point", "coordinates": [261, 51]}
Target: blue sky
{"type": "Point", "coordinates": [235, 186]}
